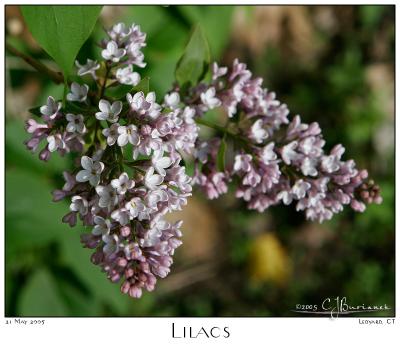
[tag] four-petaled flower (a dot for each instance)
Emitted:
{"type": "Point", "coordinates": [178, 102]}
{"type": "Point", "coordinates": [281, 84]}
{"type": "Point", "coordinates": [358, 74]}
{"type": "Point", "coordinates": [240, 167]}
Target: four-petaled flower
{"type": "Point", "coordinates": [122, 183]}
{"type": "Point", "coordinates": [55, 142]}
{"type": "Point", "coordinates": [127, 76]}
{"type": "Point", "coordinates": [75, 123]}
{"type": "Point", "coordinates": [79, 205]}
{"type": "Point", "coordinates": [136, 208]}
{"type": "Point", "coordinates": [51, 108]}
{"type": "Point", "coordinates": [91, 171]}
{"type": "Point", "coordinates": [172, 100]}
{"type": "Point", "coordinates": [109, 112]}
{"type": "Point", "coordinates": [127, 134]}
{"type": "Point", "coordinates": [242, 162]}
{"type": "Point", "coordinates": [119, 31]}
{"type": "Point", "coordinates": [160, 163]}
{"type": "Point", "coordinates": [300, 189]}
{"type": "Point", "coordinates": [102, 226]}
{"type": "Point", "coordinates": [88, 69]}
{"type": "Point", "coordinates": [112, 52]}
{"type": "Point", "coordinates": [111, 133]}
{"type": "Point", "coordinates": [108, 196]}
{"type": "Point", "coordinates": [152, 180]}
{"type": "Point", "coordinates": [257, 132]}
{"type": "Point", "coordinates": [78, 92]}
{"type": "Point", "coordinates": [112, 244]}
{"type": "Point", "coordinates": [208, 98]}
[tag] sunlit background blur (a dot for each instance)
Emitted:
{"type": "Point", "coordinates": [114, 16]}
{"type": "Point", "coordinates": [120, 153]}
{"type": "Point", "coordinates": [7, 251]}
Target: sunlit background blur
{"type": "Point", "coordinates": [331, 64]}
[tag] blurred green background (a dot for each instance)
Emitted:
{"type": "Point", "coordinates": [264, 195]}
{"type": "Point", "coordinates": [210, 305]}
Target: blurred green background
{"type": "Point", "coordinates": [331, 64]}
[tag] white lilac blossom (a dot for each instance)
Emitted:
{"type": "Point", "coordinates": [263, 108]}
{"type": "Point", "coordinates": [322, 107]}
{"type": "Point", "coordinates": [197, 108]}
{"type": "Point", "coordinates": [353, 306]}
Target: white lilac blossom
{"type": "Point", "coordinates": [89, 68]}
{"type": "Point", "coordinates": [273, 159]}
{"type": "Point", "coordinates": [122, 183]}
{"type": "Point", "coordinates": [109, 111]}
{"type": "Point", "coordinates": [51, 108]}
{"type": "Point", "coordinates": [78, 92]}
{"type": "Point", "coordinates": [209, 100]}
{"type": "Point", "coordinates": [160, 163]}
{"type": "Point", "coordinates": [111, 133]}
{"type": "Point", "coordinates": [144, 105]}
{"type": "Point", "coordinates": [102, 226]}
{"type": "Point", "coordinates": [257, 132]}
{"type": "Point", "coordinates": [152, 180]}
{"type": "Point", "coordinates": [172, 100]}
{"type": "Point", "coordinates": [79, 205]}
{"type": "Point", "coordinates": [91, 171]}
{"type": "Point", "coordinates": [128, 134]}
{"type": "Point", "coordinates": [112, 52]}
{"type": "Point", "coordinates": [119, 32]}
{"type": "Point", "coordinates": [55, 142]}
{"type": "Point", "coordinates": [127, 76]}
{"type": "Point", "coordinates": [107, 196]}
{"type": "Point", "coordinates": [75, 123]}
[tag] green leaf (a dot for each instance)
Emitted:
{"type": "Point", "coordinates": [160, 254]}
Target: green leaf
{"type": "Point", "coordinates": [61, 30]}
{"type": "Point", "coordinates": [40, 297]}
{"type": "Point", "coordinates": [143, 86]}
{"type": "Point", "coordinates": [35, 111]}
{"type": "Point", "coordinates": [18, 156]}
{"type": "Point", "coordinates": [215, 21]}
{"type": "Point", "coordinates": [32, 219]}
{"type": "Point", "coordinates": [221, 155]}
{"type": "Point", "coordinates": [194, 62]}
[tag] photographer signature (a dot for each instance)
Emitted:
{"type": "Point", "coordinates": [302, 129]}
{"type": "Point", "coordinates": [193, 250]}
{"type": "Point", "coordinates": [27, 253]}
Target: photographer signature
{"type": "Point", "coordinates": [338, 306]}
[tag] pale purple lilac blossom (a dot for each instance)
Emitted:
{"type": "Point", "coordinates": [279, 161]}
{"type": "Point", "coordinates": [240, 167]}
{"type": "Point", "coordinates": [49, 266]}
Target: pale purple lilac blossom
{"type": "Point", "coordinates": [124, 200]}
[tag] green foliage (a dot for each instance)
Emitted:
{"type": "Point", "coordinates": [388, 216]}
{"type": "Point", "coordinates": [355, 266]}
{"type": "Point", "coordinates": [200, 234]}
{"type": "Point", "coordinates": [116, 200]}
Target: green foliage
{"type": "Point", "coordinates": [221, 155]}
{"type": "Point", "coordinates": [195, 60]}
{"type": "Point", "coordinates": [215, 22]}
{"type": "Point", "coordinates": [61, 30]}
{"type": "Point", "coordinates": [122, 90]}
{"type": "Point", "coordinates": [40, 297]}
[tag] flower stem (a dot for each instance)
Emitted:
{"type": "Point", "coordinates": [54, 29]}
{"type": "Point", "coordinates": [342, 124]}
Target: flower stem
{"type": "Point", "coordinates": [55, 76]}
{"type": "Point", "coordinates": [225, 131]}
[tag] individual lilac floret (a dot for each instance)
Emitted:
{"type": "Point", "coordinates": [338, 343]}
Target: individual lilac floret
{"type": "Point", "coordinates": [172, 100]}
{"type": "Point", "coordinates": [127, 76]}
{"type": "Point", "coordinates": [160, 163]}
{"type": "Point", "coordinates": [78, 92]}
{"type": "Point", "coordinates": [128, 134]}
{"type": "Point", "coordinates": [112, 52]}
{"type": "Point", "coordinates": [55, 142]}
{"type": "Point", "coordinates": [107, 196]}
{"type": "Point", "coordinates": [119, 32]}
{"type": "Point", "coordinates": [51, 108]}
{"type": "Point", "coordinates": [75, 123]}
{"type": "Point", "coordinates": [208, 98]}
{"type": "Point", "coordinates": [89, 68]}
{"type": "Point", "coordinates": [152, 180]}
{"type": "Point", "coordinates": [111, 133]}
{"type": "Point", "coordinates": [122, 184]}
{"type": "Point", "coordinates": [102, 226]}
{"type": "Point", "coordinates": [109, 111]}
{"type": "Point", "coordinates": [91, 171]}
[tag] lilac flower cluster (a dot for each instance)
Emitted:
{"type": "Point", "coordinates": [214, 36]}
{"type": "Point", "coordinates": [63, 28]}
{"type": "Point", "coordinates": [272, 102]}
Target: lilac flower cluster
{"type": "Point", "coordinates": [129, 171]}
{"type": "Point", "coordinates": [275, 160]}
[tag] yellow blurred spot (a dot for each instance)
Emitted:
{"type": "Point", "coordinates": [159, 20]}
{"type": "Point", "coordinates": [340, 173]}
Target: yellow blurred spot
{"type": "Point", "coordinates": [268, 260]}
